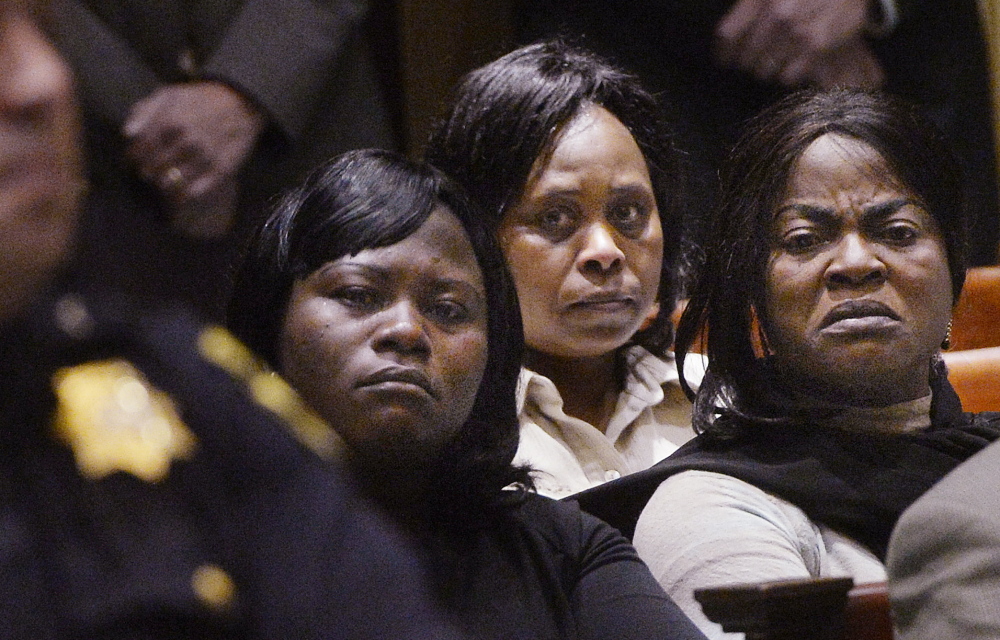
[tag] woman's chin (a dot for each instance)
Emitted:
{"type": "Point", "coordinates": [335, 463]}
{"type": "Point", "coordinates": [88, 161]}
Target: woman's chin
{"type": "Point", "coordinates": [591, 341]}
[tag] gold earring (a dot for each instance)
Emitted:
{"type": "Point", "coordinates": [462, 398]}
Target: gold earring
{"type": "Point", "coordinates": [946, 343]}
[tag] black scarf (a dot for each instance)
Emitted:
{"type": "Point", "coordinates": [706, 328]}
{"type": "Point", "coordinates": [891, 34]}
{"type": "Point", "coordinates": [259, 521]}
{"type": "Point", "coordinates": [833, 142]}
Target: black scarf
{"type": "Point", "coordinates": [855, 483]}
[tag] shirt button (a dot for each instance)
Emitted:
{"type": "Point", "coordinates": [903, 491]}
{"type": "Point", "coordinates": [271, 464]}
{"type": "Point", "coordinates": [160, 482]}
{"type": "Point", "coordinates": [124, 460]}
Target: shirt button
{"type": "Point", "coordinates": [612, 474]}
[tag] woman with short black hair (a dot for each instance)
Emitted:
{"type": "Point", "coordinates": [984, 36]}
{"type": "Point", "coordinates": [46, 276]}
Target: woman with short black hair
{"type": "Point", "coordinates": [581, 181]}
{"type": "Point", "coordinates": [377, 289]}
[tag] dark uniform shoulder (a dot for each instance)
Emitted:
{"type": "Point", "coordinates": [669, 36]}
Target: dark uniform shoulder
{"type": "Point", "coordinates": [165, 376]}
{"type": "Point", "coordinates": [164, 484]}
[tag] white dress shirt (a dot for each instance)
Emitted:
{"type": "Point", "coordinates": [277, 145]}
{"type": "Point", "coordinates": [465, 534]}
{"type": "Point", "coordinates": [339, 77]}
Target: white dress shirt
{"type": "Point", "coordinates": [651, 420]}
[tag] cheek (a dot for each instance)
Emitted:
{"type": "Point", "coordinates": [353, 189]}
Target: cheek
{"type": "Point", "coordinates": [538, 277]}
{"type": "Point", "coordinates": [464, 364]}
{"type": "Point", "coordinates": [932, 300]}
{"type": "Point", "coordinates": [788, 302]}
{"type": "Point", "coordinates": [309, 360]}
{"type": "Point", "coordinates": [469, 353]}
{"type": "Point", "coordinates": [646, 261]}
{"type": "Point", "coordinates": [536, 265]}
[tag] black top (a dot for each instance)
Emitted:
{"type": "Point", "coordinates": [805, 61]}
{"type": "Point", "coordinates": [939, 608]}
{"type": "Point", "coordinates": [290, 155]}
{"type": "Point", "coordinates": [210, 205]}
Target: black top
{"type": "Point", "coordinates": [546, 570]}
{"type": "Point", "coordinates": [856, 483]}
{"type": "Point", "coordinates": [245, 534]}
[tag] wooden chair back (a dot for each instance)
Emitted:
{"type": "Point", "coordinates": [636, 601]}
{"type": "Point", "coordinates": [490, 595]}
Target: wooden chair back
{"type": "Point", "coordinates": [975, 375]}
{"type": "Point", "coordinates": [975, 322]}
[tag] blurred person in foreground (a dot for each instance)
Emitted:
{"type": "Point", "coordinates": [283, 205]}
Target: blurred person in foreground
{"type": "Point", "coordinates": [145, 492]}
{"type": "Point", "coordinates": [944, 557]}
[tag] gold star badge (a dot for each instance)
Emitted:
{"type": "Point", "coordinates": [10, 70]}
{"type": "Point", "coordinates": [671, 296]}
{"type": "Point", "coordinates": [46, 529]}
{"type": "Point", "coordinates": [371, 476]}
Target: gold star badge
{"type": "Point", "coordinates": [114, 420]}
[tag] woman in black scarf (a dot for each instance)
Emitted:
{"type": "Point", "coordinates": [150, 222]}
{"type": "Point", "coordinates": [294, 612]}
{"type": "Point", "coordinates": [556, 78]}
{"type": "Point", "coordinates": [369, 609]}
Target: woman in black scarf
{"type": "Point", "coordinates": [825, 299]}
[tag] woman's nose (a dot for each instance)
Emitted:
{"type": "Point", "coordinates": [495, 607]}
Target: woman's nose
{"type": "Point", "coordinates": [402, 329]}
{"type": "Point", "coordinates": [600, 253]}
{"type": "Point", "coordinates": [855, 263]}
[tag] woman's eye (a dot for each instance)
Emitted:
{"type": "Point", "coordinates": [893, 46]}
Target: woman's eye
{"type": "Point", "coordinates": [357, 297]}
{"type": "Point", "coordinates": [629, 218]}
{"type": "Point", "coordinates": [555, 222]}
{"type": "Point", "coordinates": [900, 233]}
{"type": "Point", "coordinates": [449, 312]}
{"type": "Point", "coordinates": [800, 241]}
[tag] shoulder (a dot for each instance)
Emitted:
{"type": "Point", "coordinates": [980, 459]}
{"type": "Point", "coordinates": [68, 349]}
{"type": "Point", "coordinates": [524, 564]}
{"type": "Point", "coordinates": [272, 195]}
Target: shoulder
{"type": "Point", "coordinates": [972, 490]}
{"type": "Point", "coordinates": [565, 529]}
{"type": "Point", "coordinates": [238, 414]}
{"type": "Point", "coordinates": [702, 528]}
{"type": "Point", "coordinates": [694, 499]}
{"type": "Point", "coordinates": [943, 556]}
{"type": "Point", "coordinates": [561, 518]}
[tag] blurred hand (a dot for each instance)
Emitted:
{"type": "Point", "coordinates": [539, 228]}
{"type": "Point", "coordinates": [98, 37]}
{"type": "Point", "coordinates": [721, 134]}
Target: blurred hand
{"type": "Point", "coordinates": [189, 139]}
{"type": "Point", "coordinates": [786, 41]}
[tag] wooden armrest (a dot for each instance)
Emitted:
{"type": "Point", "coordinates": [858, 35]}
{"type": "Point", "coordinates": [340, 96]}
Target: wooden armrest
{"type": "Point", "coordinates": [806, 609]}
{"type": "Point", "coordinates": [868, 614]}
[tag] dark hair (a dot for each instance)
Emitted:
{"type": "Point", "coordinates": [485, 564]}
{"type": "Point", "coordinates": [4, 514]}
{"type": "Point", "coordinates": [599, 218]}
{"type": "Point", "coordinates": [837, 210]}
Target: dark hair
{"type": "Point", "coordinates": [727, 300]}
{"type": "Point", "coordinates": [369, 199]}
{"type": "Point", "coordinates": [509, 113]}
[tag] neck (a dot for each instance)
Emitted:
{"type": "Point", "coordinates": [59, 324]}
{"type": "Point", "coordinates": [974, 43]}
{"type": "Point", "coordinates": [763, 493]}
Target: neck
{"type": "Point", "coordinates": [589, 387]}
{"type": "Point", "coordinates": [867, 395]}
{"type": "Point", "coordinates": [905, 417]}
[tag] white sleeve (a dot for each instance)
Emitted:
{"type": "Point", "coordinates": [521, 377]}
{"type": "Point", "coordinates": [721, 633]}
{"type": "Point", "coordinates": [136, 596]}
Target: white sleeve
{"type": "Point", "coordinates": [703, 529]}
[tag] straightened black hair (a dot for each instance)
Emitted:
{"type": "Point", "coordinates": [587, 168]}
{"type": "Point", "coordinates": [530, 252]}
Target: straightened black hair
{"type": "Point", "coordinates": [368, 199]}
{"type": "Point", "coordinates": [740, 390]}
{"type": "Point", "coordinates": [507, 115]}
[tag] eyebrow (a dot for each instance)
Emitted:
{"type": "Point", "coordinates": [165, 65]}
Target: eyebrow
{"type": "Point", "coordinates": [382, 274]}
{"type": "Point", "coordinates": [627, 189]}
{"type": "Point", "coordinates": [345, 261]}
{"type": "Point", "coordinates": [879, 210]}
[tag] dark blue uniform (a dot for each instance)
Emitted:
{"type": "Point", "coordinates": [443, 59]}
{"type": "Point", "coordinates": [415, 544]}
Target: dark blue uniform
{"type": "Point", "coordinates": [145, 492]}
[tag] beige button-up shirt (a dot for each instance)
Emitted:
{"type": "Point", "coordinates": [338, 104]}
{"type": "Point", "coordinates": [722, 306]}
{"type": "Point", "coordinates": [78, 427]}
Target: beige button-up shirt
{"type": "Point", "coordinates": [651, 420]}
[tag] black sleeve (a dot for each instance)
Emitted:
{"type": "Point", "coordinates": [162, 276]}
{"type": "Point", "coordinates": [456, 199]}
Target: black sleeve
{"type": "Point", "coordinates": [616, 596]}
{"type": "Point", "coordinates": [110, 75]}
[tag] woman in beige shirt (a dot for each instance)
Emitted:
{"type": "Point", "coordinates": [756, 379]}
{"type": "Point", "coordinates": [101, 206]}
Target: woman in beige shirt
{"type": "Point", "coordinates": [573, 161]}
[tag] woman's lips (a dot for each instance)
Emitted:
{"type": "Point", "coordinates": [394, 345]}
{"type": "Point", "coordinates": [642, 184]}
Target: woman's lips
{"type": "Point", "coordinates": [604, 301]}
{"type": "Point", "coordinates": [399, 377]}
{"type": "Point", "coordinates": [859, 316]}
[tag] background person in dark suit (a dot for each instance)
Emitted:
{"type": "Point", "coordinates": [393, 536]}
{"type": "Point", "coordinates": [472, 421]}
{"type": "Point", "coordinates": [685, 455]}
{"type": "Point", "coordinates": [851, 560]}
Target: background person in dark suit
{"type": "Point", "coordinates": [718, 62]}
{"type": "Point", "coordinates": [196, 112]}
